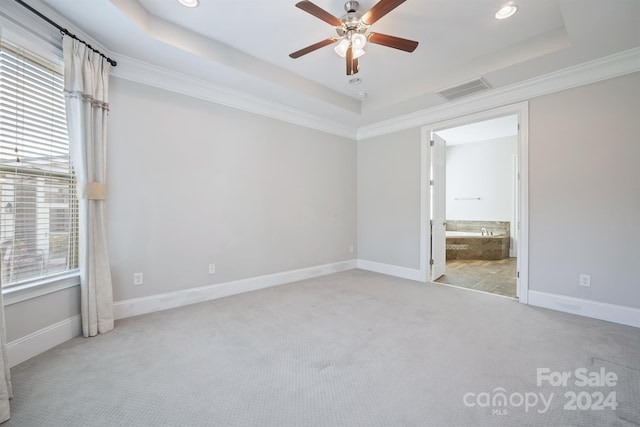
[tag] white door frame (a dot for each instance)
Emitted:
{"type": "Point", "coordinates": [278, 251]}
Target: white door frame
{"type": "Point", "coordinates": [438, 216]}
{"type": "Point", "coordinates": [520, 109]}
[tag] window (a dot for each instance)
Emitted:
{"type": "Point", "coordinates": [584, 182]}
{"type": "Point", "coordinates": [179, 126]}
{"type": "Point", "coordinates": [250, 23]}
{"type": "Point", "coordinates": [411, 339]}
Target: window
{"type": "Point", "coordinates": [38, 206]}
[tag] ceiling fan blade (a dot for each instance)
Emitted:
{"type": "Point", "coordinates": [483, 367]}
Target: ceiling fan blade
{"type": "Point", "coordinates": [379, 10]}
{"type": "Point", "coordinates": [309, 49]}
{"type": "Point", "coordinates": [319, 13]}
{"type": "Point", "coordinates": [392, 41]}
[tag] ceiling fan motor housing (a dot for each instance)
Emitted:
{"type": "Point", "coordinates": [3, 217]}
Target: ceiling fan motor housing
{"type": "Point", "coordinates": [351, 6]}
{"type": "Point", "coordinates": [352, 20]}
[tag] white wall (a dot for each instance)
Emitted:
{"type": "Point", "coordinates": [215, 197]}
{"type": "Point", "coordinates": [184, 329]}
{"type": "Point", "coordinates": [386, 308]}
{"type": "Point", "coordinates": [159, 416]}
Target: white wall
{"type": "Point", "coordinates": [585, 191]}
{"type": "Point", "coordinates": [193, 183]}
{"type": "Point", "coordinates": [32, 315]}
{"type": "Point", "coordinates": [483, 169]}
{"type": "Point", "coordinates": [389, 199]}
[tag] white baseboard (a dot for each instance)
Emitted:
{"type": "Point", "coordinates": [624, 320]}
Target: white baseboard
{"type": "Point", "coordinates": [391, 270]}
{"type": "Point", "coordinates": [598, 310]}
{"type": "Point", "coordinates": [137, 306]}
{"type": "Point", "coordinates": [33, 344]}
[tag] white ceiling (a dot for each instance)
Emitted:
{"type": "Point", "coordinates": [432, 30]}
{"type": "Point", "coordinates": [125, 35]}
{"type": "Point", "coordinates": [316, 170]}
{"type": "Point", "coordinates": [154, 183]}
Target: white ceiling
{"type": "Point", "coordinates": [244, 46]}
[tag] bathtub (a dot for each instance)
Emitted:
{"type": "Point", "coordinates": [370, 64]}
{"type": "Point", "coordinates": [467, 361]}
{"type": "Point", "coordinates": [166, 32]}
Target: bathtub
{"type": "Point", "coordinates": [463, 234]}
{"type": "Point", "coordinates": [473, 245]}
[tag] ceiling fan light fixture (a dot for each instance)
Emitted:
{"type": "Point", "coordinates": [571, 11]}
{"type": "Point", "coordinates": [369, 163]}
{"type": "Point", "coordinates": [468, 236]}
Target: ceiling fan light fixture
{"type": "Point", "coordinates": [189, 3]}
{"type": "Point", "coordinates": [357, 53]}
{"type": "Point", "coordinates": [358, 40]}
{"type": "Point", "coordinates": [506, 11]}
{"type": "Point", "coordinates": [342, 46]}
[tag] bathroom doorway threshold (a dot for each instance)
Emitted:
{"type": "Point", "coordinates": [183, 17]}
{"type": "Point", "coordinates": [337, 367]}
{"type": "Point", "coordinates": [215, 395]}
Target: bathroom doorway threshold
{"type": "Point", "coordinates": [491, 276]}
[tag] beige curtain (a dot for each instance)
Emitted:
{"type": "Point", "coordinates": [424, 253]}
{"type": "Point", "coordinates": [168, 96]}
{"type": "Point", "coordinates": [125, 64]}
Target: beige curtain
{"type": "Point", "coordinates": [5, 376]}
{"type": "Point", "coordinates": [86, 86]}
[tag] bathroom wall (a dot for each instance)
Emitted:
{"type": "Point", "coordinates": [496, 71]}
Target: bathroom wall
{"type": "Point", "coordinates": [485, 170]}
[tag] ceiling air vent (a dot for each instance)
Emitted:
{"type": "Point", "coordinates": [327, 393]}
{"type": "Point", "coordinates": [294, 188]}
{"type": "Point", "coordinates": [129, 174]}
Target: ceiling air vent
{"type": "Point", "coordinates": [464, 89]}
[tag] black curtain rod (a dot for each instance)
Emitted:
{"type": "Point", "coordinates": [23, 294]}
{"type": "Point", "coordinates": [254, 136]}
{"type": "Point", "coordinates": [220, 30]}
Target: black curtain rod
{"type": "Point", "coordinates": [65, 31]}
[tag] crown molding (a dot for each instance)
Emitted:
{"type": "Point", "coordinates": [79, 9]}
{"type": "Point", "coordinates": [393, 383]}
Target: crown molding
{"type": "Point", "coordinates": [589, 72]}
{"type": "Point", "coordinates": [142, 72]}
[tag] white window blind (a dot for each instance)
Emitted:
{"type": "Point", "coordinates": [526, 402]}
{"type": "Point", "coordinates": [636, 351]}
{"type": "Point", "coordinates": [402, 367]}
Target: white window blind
{"type": "Point", "coordinates": [38, 207]}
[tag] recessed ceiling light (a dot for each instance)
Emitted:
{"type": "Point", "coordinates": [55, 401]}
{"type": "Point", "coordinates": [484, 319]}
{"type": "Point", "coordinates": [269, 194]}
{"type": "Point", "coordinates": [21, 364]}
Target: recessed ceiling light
{"type": "Point", "coordinates": [355, 81]}
{"type": "Point", "coordinates": [189, 3]}
{"type": "Point", "coordinates": [362, 94]}
{"type": "Point", "coordinates": [506, 12]}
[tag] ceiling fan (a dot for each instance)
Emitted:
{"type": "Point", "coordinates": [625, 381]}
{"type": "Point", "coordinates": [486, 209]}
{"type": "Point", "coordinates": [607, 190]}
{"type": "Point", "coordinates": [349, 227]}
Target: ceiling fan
{"type": "Point", "coordinates": [352, 31]}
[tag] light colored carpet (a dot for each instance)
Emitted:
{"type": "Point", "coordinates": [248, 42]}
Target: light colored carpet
{"type": "Point", "coordinates": [351, 349]}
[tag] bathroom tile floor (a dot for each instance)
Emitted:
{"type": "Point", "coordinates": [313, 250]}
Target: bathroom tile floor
{"type": "Point", "coordinates": [497, 277]}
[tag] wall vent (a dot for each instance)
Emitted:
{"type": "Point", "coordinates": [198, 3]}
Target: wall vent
{"type": "Point", "coordinates": [464, 89]}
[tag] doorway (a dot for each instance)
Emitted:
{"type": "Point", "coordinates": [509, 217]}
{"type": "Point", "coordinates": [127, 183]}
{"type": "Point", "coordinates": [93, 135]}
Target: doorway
{"type": "Point", "coordinates": [481, 162]}
{"type": "Point", "coordinates": [484, 205]}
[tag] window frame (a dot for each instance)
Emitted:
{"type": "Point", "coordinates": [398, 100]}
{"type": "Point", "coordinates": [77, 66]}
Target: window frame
{"type": "Point", "coordinates": [50, 50]}
{"type": "Point", "coordinates": [39, 287]}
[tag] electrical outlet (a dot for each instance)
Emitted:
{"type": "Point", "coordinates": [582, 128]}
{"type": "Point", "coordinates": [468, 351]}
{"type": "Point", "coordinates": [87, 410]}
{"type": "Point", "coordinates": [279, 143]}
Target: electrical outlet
{"type": "Point", "coordinates": [212, 268]}
{"type": "Point", "coordinates": [350, 248]}
{"type": "Point", "coordinates": [585, 280]}
{"type": "Point", "coordinates": [137, 279]}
